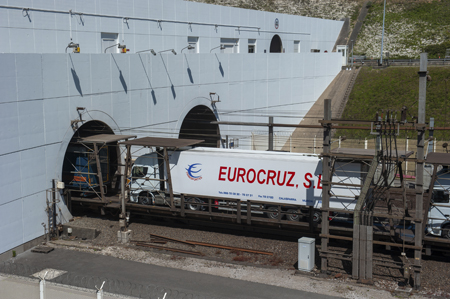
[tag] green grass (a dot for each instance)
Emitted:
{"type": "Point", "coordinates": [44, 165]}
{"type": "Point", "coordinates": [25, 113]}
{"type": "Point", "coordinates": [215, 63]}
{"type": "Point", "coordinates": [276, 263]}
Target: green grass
{"type": "Point", "coordinates": [430, 24]}
{"type": "Point", "coordinates": [379, 90]}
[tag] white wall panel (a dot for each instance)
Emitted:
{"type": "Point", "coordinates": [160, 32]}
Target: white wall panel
{"type": "Point", "coordinates": [3, 20]}
{"type": "Point", "coordinates": [141, 8]}
{"type": "Point", "coordinates": [29, 76]}
{"type": "Point", "coordinates": [31, 124]}
{"type": "Point", "coordinates": [5, 47]}
{"type": "Point", "coordinates": [9, 121]}
{"type": "Point", "coordinates": [110, 25]}
{"type": "Point", "coordinates": [208, 69]}
{"type": "Point", "coordinates": [33, 212]}
{"type": "Point", "coordinates": [90, 42]}
{"type": "Point", "coordinates": [10, 178]}
{"type": "Point", "coordinates": [138, 108]}
{"type": "Point", "coordinates": [8, 78]}
{"type": "Point", "coordinates": [45, 41]}
{"type": "Point", "coordinates": [108, 7]}
{"type": "Point", "coordinates": [65, 5]}
{"type": "Point", "coordinates": [42, 20]}
{"type": "Point", "coordinates": [121, 109]}
{"type": "Point", "coordinates": [103, 102]}
{"type": "Point", "coordinates": [33, 170]}
{"type": "Point", "coordinates": [54, 70]}
{"type": "Point", "coordinates": [87, 6]}
{"type": "Point", "coordinates": [124, 8]}
{"type": "Point", "coordinates": [168, 43]}
{"type": "Point", "coordinates": [101, 72]}
{"type": "Point", "coordinates": [25, 44]}
{"type": "Point", "coordinates": [235, 67]}
{"type": "Point", "coordinates": [56, 118]}
{"type": "Point", "coordinates": [12, 229]}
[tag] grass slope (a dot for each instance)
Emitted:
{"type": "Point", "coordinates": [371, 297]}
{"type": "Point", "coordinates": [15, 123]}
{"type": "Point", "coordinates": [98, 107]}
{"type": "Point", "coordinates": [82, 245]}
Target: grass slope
{"type": "Point", "coordinates": [378, 90]}
{"type": "Point", "coordinates": [410, 27]}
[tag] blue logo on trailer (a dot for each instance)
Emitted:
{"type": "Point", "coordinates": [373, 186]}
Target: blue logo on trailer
{"type": "Point", "coordinates": [192, 172]}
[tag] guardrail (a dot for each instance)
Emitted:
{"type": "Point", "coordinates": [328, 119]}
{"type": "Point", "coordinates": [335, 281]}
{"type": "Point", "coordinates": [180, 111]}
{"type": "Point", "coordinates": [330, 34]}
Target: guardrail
{"type": "Point", "coordinates": [398, 62]}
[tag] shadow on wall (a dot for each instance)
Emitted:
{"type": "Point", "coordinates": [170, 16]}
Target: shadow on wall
{"type": "Point", "coordinates": [189, 70]}
{"type": "Point", "coordinates": [220, 66]}
{"type": "Point", "coordinates": [148, 80]}
{"type": "Point", "coordinates": [121, 78]}
{"type": "Point", "coordinates": [76, 79]}
{"type": "Point", "coordinates": [174, 94]}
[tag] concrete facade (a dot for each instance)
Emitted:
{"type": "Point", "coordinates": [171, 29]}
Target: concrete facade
{"type": "Point", "coordinates": [139, 93]}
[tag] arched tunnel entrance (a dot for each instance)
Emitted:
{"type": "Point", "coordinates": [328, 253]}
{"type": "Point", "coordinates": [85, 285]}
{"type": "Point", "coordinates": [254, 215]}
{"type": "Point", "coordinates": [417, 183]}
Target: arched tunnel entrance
{"type": "Point", "coordinates": [276, 46]}
{"type": "Point", "coordinates": [80, 168]}
{"type": "Point", "coordinates": [196, 125]}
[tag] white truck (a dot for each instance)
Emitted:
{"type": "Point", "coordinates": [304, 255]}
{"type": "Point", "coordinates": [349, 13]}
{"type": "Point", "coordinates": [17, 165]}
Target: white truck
{"type": "Point", "coordinates": [439, 213]}
{"type": "Point", "coordinates": [273, 178]}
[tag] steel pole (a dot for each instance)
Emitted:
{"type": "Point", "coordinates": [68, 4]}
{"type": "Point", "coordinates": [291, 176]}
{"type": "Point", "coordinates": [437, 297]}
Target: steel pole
{"type": "Point", "coordinates": [271, 133]}
{"type": "Point", "coordinates": [326, 178]}
{"type": "Point", "coordinates": [421, 126]}
{"type": "Point", "coordinates": [353, 58]}
{"type": "Point", "coordinates": [382, 34]}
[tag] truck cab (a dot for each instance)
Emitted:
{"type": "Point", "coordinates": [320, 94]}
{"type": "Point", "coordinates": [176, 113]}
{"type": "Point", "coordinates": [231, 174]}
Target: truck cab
{"type": "Point", "coordinates": [145, 181]}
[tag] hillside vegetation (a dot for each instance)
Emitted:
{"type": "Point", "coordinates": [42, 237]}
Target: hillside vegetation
{"type": "Point", "coordinates": [325, 9]}
{"type": "Point", "coordinates": [410, 27]}
{"type": "Point", "coordinates": [378, 90]}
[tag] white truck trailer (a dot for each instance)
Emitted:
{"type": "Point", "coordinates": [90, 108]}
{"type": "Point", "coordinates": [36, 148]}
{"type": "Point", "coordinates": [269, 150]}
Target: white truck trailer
{"type": "Point", "coordinates": [439, 213]}
{"type": "Point", "coordinates": [273, 178]}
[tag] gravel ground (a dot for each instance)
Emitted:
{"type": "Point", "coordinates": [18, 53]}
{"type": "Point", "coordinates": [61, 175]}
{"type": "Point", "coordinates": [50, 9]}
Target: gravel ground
{"type": "Point", "coordinates": [278, 269]}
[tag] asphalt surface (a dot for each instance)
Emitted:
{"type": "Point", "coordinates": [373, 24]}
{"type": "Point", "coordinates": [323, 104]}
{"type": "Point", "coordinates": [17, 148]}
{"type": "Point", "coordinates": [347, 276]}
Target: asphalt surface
{"type": "Point", "coordinates": [145, 280]}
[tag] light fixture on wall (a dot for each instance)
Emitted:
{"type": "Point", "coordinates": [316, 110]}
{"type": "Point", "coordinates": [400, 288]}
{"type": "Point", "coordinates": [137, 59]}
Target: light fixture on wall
{"type": "Point", "coordinates": [189, 47]}
{"type": "Point", "coordinates": [74, 46]}
{"type": "Point", "coordinates": [123, 48]}
{"type": "Point", "coordinates": [221, 48]}
{"type": "Point", "coordinates": [151, 51]}
{"type": "Point", "coordinates": [212, 97]}
{"type": "Point", "coordinates": [172, 50]}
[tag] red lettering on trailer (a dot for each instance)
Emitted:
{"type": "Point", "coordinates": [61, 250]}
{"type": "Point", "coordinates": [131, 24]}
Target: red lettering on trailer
{"type": "Point", "coordinates": [254, 175]}
{"type": "Point", "coordinates": [240, 174]}
{"type": "Point", "coordinates": [234, 175]}
{"type": "Point", "coordinates": [289, 184]}
{"type": "Point", "coordinates": [278, 178]}
{"type": "Point", "coordinates": [259, 172]}
{"type": "Point", "coordinates": [221, 173]}
{"type": "Point", "coordinates": [308, 176]}
{"type": "Point", "coordinates": [319, 185]}
{"type": "Point", "coordinates": [271, 174]}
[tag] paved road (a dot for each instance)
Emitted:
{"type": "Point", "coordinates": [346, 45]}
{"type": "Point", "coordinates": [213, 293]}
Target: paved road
{"type": "Point", "coordinates": [138, 279]}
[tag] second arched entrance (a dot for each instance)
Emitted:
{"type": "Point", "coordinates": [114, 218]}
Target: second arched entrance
{"type": "Point", "coordinates": [276, 45]}
{"type": "Point", "coordinates": [197, 125]}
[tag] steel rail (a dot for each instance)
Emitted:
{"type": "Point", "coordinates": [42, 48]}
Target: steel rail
{"type": "Point", "coordinates": [170, 239]}
{"type": "Point", "coordinates": [168, 249]}
{"type": "Point", "coordinates": [230, 247]}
